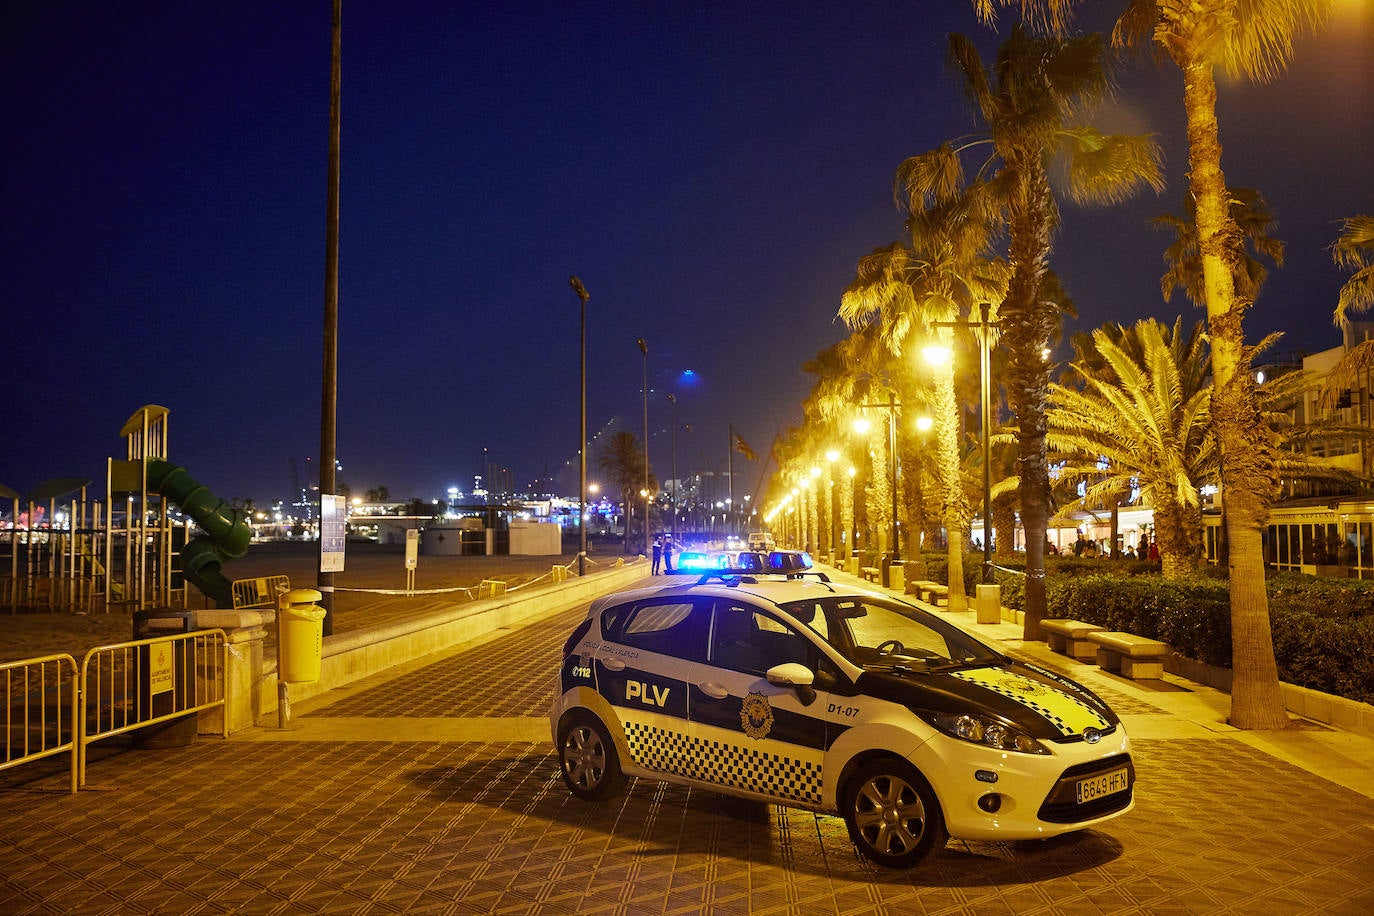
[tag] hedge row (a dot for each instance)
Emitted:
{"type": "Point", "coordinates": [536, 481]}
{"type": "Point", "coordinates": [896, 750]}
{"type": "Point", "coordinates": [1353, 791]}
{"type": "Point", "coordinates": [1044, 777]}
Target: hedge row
{"type": "Point", "coordinates": [1323, 629]}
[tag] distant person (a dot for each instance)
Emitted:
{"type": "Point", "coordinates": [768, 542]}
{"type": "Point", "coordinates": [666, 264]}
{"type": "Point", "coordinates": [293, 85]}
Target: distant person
{"type": "Point", "coordinates": [658, 554]}
{"type": "Point", "coordinates": [668, 554]}
{"type": "Point", "coordinates": [1154, 551]}
{"type": "Point", "coordinates": [1129, 552]}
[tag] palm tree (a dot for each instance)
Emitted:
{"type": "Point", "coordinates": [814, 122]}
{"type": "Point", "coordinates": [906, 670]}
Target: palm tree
{"type": "Point", "coordinates": [908, 293]}
{"type": "Point", "coordinates": [1353, 250]}
{"type": "Point", "coordinates": [1032, 106]}
{"type": "Point", "coordinates": [622, 461]}
{"type": "Point", "coordinates": [1251, 39]}
{"type": "Point", "coordinates": [855, 371]}
{"type": "Point", "coordinates": [1134, 417]}
{"type": "Point", "coordinates": [1250, 213]}
{"type": "Point", "coordinates": [1137, 420]}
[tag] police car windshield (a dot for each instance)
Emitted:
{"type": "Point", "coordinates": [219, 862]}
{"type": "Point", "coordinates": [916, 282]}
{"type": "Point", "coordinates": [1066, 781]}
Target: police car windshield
{"type": "Point", "coordinates": [876, 634]}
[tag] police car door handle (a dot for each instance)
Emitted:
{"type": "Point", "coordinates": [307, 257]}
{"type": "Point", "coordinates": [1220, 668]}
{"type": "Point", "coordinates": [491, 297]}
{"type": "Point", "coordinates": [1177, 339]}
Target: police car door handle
{"type": "Point", "coordinates": [713, 690]}
{"type": "Point", "coordinates": [614, 664]}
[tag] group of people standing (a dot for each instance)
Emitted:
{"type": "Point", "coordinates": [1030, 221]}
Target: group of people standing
{"type": "Point", "coordinates": [663, 554]}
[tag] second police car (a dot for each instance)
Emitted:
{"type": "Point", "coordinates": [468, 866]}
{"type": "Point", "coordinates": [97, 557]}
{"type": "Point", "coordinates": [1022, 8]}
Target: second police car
{"type": "Point", "coordinates": [804, 692]}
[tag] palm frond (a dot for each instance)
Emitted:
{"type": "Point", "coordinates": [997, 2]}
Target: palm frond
{"type": "Point", "coordinates": [1260, 44]}
{"type": "Point", "coordinates": [1105, 169]}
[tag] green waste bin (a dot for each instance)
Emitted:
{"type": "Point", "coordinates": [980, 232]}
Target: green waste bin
{"type": "Point", "coordinates": [300, 636]}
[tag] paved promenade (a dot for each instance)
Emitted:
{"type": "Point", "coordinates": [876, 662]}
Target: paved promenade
{"type": "Point", "coordinates": [435, 789]}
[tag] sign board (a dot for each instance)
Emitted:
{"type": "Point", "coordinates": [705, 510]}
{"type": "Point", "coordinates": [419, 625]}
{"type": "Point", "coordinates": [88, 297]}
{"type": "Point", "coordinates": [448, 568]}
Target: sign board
{"type": "Point", "coordinates": [333, 532]}
{"type": "Point", "coordinates": [412, 547]}
{"type": "Point", "coordinates": [159, 668]}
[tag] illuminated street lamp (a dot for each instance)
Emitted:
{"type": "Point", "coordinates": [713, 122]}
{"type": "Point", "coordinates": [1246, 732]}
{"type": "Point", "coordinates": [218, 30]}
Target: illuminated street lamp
{"type": "Point", "coordinates": [933, 355]}
{"type": "Point", "coordinates": [582, 440]}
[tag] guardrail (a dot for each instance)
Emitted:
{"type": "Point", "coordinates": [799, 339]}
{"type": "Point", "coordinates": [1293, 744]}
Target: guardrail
{"type": "Point", "coordinates": [260, 592]}
{"type": "Point", "coordinates": [52, 705]}
{"type": "Point", "coordinates": [130, 685]}
{"type": "Point", "coordinates": [41, 710]}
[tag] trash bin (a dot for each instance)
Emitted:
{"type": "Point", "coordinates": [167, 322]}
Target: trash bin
{"type": "Point", "coordinates": [159, 695]}
{"type": "Point", "coordinates": [300, 636]}
{"type": "Point", "coordinates": [884, 564]}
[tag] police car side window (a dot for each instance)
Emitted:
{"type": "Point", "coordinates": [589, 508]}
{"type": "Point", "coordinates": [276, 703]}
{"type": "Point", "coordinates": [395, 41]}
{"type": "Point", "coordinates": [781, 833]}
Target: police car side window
{"type": "Point", "coordinates": [670, 628]}
{"type": "Point", "coordinates": [744, 639]}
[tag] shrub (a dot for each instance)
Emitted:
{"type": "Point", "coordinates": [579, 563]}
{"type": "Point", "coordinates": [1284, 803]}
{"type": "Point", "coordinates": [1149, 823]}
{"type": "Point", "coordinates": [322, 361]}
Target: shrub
{"type": "Point", "coordinates": [1322, 628]}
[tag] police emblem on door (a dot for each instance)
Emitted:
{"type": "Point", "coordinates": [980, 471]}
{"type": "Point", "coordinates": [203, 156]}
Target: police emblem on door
{"type": "Point", "coordinates": [756, 716]}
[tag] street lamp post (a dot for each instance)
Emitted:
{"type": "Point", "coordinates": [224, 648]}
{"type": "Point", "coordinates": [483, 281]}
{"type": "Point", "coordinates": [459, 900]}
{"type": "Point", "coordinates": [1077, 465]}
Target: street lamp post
{"type": "Point", "coordinates": [672, 399]}
{"type": "Point", "coordinates": [831, 456]}
{"type": "Point", "coordinates": [985, 372]}
{"type": "Point", "coordinates": [985, 328]}
{"type": "Point", "coordinates": [582, 440]}
{"type": "Point", "coordinates": [644, 349]}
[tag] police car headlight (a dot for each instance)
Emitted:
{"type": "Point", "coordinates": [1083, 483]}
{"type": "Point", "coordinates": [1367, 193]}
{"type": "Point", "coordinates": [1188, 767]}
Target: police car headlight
{"type": "Point", "coordinates": [985, 730]}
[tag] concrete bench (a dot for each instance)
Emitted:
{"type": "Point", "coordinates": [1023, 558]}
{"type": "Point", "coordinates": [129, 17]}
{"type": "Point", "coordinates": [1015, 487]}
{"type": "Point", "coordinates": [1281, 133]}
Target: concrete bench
{"type": "Point", "coordinates": [870, 573]}
{"type": "Point", "coordinates": [934, 593]}
{"type": "Point", "coordinates": [1070, 637]}
{"type": "Point", "coordinates": [1131, 656]}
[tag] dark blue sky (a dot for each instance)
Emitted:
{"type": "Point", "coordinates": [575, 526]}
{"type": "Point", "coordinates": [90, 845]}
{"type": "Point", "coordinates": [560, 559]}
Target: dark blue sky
{"type": "Point", "coordinates": [711, 171]}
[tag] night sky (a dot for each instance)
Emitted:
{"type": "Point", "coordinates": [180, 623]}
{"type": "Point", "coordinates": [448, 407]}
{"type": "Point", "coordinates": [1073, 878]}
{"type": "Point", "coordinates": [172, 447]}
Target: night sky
{"type": "Point", "coordinates": [711, 171]}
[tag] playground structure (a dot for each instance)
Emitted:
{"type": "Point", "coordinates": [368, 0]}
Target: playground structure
{"type": "Point", "coordinates": [63, 551]}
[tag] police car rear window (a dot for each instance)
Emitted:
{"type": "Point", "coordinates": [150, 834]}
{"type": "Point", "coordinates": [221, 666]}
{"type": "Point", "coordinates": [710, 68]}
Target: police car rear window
{"type": "Point", "coordinates": [665, 628]}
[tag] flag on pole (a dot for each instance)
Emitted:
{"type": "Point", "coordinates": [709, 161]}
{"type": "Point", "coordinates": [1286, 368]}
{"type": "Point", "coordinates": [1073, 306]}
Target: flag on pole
{"type": "Point", "coordinates": [743, 448]}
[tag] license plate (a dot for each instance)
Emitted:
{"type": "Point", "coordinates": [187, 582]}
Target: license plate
{"type": "Point", "coordinates": [1096, 787]}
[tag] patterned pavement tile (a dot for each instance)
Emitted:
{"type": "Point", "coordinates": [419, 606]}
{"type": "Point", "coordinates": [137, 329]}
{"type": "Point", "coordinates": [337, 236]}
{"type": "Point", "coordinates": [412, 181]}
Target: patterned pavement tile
{"type": "Point", "coordinates": [368, 827]}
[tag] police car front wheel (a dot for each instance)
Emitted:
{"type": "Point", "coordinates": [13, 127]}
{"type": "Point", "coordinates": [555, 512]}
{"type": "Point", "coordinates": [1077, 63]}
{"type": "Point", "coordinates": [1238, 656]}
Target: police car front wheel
{"type": "Point", "coordinates": [587, 757]}
{"type": "Point", "coordinates": [893, 816]}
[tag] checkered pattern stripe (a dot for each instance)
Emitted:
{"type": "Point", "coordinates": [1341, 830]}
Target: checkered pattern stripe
{"type": "Point", "coordinates": [1068, 714]}
{"type": "Point", "coordinates": [749, 768]}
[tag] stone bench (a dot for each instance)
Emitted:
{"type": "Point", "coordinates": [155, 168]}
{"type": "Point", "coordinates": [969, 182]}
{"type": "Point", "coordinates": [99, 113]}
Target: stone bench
{"type": "Point", "coordinates": [1070, 637]}
{"type": "Point", "coordinates": [1135, 657]}
{"type": "Point", "coordinates": [870, 573]}
{"type": "Point", "coordinates": [932, 593]}
{"type": "Point", "coordinates": [936, 593]}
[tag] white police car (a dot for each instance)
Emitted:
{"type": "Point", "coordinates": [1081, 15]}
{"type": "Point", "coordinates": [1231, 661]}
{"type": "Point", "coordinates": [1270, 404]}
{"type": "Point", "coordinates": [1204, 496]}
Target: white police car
{"type": "Point", "coordinates": [804, 692]}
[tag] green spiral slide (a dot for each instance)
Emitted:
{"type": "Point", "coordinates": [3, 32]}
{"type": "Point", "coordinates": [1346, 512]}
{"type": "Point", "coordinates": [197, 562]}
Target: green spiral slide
{"type": "Point", "coordinates": [227, 533]}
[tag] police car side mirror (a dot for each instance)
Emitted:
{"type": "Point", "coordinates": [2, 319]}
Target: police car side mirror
{"type": "Point", "coordinates": [798, 677]}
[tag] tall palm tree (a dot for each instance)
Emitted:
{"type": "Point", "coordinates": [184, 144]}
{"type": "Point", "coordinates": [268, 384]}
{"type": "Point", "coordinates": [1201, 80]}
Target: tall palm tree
{"type": "Point", "coordinates": [1033, 104]}
{"type": "Point", "coordinates": [1251, 39]}
{"type": "Point", "coordinates": [911, 293]}
{"type": "Point", "coordinates": [1250, 213]}
{"type": "Point", "coordinates": [622, 461]}
{"type": "Point", "coordinates": [855, 371]}
{"type": "Point", "coordinates": [1353, 250]}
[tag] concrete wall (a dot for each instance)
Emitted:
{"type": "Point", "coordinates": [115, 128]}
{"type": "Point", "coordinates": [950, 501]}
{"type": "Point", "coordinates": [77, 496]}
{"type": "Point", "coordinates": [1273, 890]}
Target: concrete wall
{"type": "Point", "coordinates": [536, 539]}
{"type": "Point", "coordinates": [348, 657]}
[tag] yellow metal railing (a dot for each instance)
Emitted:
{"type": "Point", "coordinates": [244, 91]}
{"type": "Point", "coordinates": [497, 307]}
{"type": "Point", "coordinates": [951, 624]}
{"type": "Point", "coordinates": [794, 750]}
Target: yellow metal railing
{"type": "Point", "coordinates": [133, 684]}
{"type": "Point", "coordinates": [41, 710]}
{"type": "Point", "coordinates": [260, 592]}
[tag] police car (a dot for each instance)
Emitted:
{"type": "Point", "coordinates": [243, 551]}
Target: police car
{"type": "Point", "coordinates": [799, 691]}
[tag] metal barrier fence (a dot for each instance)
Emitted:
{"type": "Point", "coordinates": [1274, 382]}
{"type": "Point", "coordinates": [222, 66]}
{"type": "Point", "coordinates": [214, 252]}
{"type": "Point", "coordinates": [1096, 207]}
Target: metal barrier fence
{"type": "Point", "coordinates": [130, 685]}
{"type": "Point", "coordinates": [41, 710]}
{"type": "Point", "coordinates": [261, 592]}
{"type": "Point", "coordinates": [52, 706]}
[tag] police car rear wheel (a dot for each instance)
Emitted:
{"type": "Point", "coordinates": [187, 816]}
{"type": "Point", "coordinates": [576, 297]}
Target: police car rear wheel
{"type": "Point", "coordinates": [588, 760]}
{"type": "Point", "coordinates": [893, 817]}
